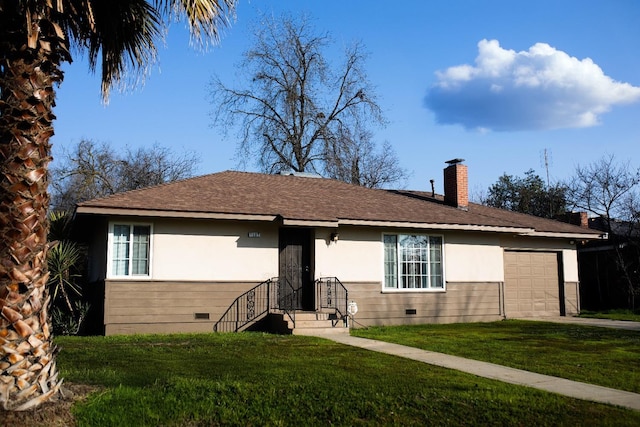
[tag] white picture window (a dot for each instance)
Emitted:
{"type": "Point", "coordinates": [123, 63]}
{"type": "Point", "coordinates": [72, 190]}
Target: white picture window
{"type": "Point", "coordinates": [129, 249]}
{"type": "Point", "coordinates": [413, 262]}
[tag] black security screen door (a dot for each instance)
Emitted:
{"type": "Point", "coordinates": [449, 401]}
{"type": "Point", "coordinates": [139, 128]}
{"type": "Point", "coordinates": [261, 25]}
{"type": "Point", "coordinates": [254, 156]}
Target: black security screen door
{"type": "Point", "coordinates": [295, 264]}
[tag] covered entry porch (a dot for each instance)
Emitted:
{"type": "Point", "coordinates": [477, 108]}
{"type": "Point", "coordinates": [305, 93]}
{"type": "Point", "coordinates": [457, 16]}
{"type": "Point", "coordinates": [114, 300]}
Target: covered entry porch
{"type": "Point", "coordinates": [294, 300]}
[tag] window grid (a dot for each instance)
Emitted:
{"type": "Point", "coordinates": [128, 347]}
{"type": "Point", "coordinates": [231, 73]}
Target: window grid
{"type": "Point", "coordinates": [390, 261]}
{"type": "Point", "coordinates": [130, 250]}
{"type": "Point", "coordinates": [120, 252]}
{"type": "Point", "coordinates": [140, 258]}
{"type": "Point", "coordinates": [413, 262]}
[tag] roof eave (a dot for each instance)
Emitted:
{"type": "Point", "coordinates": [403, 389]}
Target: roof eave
{"type": "Point", "coordinates": [524, 231]}
{"type": "Point", "coordinates": [579, 236]}
{"type": "Point", "coordinates": [92, 210]}
{"type": "Point", "coordinates": [437, 226]}
{"type": "Point", "coordinates": [309, 223]}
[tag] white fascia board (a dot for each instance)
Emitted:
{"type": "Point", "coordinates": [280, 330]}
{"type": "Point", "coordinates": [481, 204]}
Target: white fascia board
{"type": "Point", "coordinates": [577, 236]}
{"type": "Point", "coordinates": [172, 214]}
{"type": "Point", "coordinates": [309, 223]}
{"type": "Point", "coordinates": [434, 226]}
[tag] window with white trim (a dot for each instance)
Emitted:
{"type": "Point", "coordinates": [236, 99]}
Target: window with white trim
{"type": "Point", "coordinates": [413, 262]}
{"type": "Point", "coordinates": [130, 248]}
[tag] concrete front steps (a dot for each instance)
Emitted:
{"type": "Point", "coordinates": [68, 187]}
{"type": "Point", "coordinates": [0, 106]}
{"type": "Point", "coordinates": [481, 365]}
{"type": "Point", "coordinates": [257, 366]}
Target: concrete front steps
{"type": "Point", "coordinates": [313, 323]}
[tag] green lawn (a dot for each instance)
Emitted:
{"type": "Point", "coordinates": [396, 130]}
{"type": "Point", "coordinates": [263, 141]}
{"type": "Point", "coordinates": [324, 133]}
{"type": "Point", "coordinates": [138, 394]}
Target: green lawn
{"type": "Point", "coordinates": [257, 379]}
{"type": "Point", "coordinates": [602, 356]}
{"type": "Point", "coordinates": [612, 314]}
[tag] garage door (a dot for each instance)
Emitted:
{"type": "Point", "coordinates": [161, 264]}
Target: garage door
{"type": "Point", "coordinates": [531, 284]}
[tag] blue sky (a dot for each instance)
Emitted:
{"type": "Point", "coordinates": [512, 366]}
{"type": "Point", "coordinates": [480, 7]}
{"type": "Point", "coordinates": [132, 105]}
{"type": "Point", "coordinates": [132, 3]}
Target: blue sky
{"type": "Point", "coordinates": [495, 82]}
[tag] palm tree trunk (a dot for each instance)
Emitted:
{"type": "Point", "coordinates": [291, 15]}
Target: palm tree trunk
{"type": "Point", "coordinates": [29, 67]}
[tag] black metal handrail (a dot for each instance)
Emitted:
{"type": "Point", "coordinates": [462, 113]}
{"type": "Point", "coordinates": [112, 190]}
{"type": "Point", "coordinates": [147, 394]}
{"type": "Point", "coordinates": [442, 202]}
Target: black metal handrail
{"type": "Point", "coordinates": [331, 294]}
{"type": "Point", "coordinates": [246, 308]}
{"type": "Point", "coordinates": [288, 298]}
{"type": "Point", "coordinates": [273, 294]}
{"type": "Point", "coordinates": [277, 294]}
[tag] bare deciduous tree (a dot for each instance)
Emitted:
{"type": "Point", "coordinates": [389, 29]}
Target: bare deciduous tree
{"type": "Point", "coordinates": [605, 188]}
{"type": "Point", "coordinates": [93, 170]}
{"type": "Point", "coordinates": [296, 109]}
{"type": "Point", "coordinates": [609, 189]}
{"type": "Point", "coordinates": [358, 160]}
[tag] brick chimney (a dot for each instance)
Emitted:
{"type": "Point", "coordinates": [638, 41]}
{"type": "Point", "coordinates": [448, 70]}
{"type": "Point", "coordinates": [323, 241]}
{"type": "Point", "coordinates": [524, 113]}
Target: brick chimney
{"type": "Point", "coordinates": [575, 218]}
{"type": "Point", "coordinates": [456, 184]}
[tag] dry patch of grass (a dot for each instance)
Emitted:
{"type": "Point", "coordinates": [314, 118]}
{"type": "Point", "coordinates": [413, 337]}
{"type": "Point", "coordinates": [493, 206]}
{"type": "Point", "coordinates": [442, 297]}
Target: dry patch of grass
{"type": "Point", "coordinates": [56, 413]}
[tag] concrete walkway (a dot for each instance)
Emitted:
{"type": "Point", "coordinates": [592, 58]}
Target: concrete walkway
{"type": "Point", "coordinates": [593, 393]}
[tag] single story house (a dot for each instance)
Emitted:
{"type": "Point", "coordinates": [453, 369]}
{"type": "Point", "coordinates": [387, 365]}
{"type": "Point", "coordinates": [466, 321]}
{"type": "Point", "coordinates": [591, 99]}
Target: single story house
{"type": "Point", "coordinates": [177, 257]}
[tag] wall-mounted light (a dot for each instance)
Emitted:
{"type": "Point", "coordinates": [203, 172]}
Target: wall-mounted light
{"type": "Point", "coordinates": [334, 237]}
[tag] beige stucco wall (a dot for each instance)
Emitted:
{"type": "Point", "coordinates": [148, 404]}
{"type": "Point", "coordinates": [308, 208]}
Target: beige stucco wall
{"type": "Point", "coordinates": [221, 250]}
{"type": "Point", "coordinates": [208, 250]}
{"type": "Point", "coordinates": [356, 256]}
{"type": "Point", "coordinates": [570, 264]}
{"type": "Point", "coordinates": [473, 257]}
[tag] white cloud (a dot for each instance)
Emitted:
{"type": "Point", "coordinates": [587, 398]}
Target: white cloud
{"type": "Point", "coordinates": [541, 88]}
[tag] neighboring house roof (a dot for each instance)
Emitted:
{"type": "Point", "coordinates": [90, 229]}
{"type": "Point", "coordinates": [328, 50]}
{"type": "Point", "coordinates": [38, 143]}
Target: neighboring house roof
{"type": "Point", "coordinates": [300, 200]}
{"type": "Point", "coordinates": [619, 228]}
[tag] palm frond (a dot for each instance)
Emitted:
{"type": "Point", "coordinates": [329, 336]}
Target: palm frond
{"type": "Point", "coordinates": [124, 40]}
{"type": "Point", "coordinates": [120, 36]}
{"type": "Point", "coordinates": [206, 18]}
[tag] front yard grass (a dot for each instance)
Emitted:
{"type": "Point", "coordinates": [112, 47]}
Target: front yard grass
{"type": "Point", "coordinates": [257, 379]}
{"type": "Point", "coordinates": [627, 315]}
{"type": "Point", "coordinates": [602, 356]}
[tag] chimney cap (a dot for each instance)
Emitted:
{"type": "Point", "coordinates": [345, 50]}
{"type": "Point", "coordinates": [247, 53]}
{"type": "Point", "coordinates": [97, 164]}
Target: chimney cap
{"type": "Point", "coordinates": [454, 161]}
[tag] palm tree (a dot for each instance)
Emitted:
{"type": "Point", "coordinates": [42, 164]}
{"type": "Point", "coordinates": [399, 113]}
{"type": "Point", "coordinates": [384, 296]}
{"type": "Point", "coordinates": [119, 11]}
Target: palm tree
{"type": "Point", "coordinates": [36, 38]}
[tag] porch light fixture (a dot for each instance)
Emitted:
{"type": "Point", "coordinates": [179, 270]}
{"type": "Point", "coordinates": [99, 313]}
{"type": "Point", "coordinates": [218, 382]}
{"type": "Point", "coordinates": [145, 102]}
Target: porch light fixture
{"type": "Point", "coordinates": [334, 237]}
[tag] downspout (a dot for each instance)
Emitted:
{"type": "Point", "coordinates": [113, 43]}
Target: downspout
{"type": "Point", "coordinates": [501, 300]}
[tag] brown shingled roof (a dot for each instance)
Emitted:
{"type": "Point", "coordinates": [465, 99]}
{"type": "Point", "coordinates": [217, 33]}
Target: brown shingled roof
{"type": "Point", "coordinates": [313, 199]}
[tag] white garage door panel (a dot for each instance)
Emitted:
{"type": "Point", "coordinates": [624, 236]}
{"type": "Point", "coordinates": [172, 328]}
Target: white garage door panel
{"type": "Point", "coordinates": [531, 284]}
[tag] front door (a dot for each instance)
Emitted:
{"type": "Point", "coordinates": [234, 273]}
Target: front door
{"type": "Point", "coordinates": [295, 264]}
